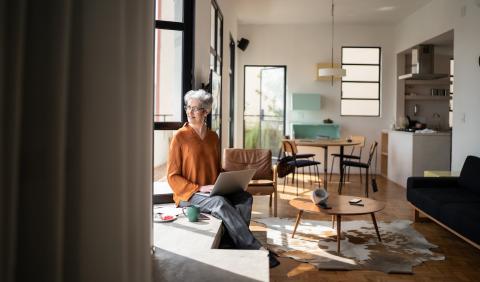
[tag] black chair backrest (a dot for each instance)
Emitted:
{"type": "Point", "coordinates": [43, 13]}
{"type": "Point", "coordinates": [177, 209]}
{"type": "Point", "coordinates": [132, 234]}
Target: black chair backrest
{"type": "Point", "coordinates": [373, 148]}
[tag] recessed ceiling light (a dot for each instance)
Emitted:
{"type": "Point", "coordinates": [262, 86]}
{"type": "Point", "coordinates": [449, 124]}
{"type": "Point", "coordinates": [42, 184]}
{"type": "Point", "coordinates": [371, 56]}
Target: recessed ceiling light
{"type": "Point", "coordinates": [386, 8]}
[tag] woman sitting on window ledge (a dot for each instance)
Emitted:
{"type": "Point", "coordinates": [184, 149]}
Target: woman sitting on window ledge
{"type": "Point", "coordinates": [193, 166]}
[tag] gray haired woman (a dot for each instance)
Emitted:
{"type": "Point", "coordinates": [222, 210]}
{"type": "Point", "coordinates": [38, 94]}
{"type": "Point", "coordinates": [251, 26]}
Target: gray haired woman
{"type": "Point", "coordinates": [193, 166]}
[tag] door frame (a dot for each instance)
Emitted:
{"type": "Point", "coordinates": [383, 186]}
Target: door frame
{"type": "Point", "coordinates": [231, 73]}
{"type": "Point", "coordinates": [284, 95]}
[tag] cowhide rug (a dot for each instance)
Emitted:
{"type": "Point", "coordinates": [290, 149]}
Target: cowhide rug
{"type": "Point", "coordinates": [315, 242]}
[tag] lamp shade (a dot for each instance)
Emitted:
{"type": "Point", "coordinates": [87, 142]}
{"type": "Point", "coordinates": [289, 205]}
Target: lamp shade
{"type": "Point", "coordinates": [336, 72]}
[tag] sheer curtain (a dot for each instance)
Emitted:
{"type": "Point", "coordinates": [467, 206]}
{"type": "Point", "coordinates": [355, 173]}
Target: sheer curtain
{"type": "Point", "coordinates": [76, 83]}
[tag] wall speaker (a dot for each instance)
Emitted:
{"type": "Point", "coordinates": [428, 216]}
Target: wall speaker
{"type": "Point", "coordinates": [243, 44]}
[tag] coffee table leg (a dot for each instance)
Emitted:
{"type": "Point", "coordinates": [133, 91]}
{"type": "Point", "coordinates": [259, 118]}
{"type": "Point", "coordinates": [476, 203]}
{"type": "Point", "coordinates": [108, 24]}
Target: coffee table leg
{"type": "Point", "coordinates": [339, 232]}
{"type": "Point", "coordinates": [299, 215]}
{"type": "Point", "coordinates": [333, 221]}
{"type": "Point", "coordinates": [376, 227]}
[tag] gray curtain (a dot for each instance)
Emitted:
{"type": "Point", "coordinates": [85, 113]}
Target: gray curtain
{"type": "Point", "coordinates": [76, 140]}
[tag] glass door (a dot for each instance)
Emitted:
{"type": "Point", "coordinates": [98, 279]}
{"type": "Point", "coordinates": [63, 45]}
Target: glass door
{"type": "Point", "coordinates": [264, 108]}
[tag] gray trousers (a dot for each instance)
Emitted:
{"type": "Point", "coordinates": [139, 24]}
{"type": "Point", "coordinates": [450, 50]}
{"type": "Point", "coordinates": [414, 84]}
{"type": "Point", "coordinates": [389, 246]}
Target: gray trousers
{"type": "Point", "coordinates": [235, 211]}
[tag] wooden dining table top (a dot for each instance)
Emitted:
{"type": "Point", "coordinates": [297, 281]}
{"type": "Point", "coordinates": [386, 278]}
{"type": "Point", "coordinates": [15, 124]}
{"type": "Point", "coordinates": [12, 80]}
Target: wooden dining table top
{"type": "Point", "coordinates": [325, 142]}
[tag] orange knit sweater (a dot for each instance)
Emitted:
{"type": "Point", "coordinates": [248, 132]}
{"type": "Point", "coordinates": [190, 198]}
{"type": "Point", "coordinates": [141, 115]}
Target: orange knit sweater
{"type": "Point", "coordinates": [192, 162]}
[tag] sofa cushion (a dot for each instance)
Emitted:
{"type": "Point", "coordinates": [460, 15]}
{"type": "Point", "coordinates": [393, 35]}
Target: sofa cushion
{"type": "Point", "coordinates": [431, 200]}
{"type": "Point", "coordinates": [469, 177]}
{"type": "Point", "coordinates": [463, 218]}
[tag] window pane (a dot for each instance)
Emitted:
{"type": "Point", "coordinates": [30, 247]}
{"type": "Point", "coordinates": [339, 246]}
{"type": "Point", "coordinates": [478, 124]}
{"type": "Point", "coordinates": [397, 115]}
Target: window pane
{"type": "Point", "coordinates": [361, 73]}
{"type": "Point", "coordinates": [169, 10]}
{"type": "Point", "coordinates": [360, 56]}
{"type": "Point", "coordinates": [360, 90]}
{"type": "Point", "coordinates": [360, 108]}
{"type": "Point", "coordinates": [212, 26]}
{"type": "Point", "coordinates": [216, 95]}
{"type": "Point", "coordinates": [252, 90]}
{"type": "Point", "coordinates": [168, 75]}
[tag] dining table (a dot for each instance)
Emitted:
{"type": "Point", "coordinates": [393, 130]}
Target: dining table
{"type": "Point", "coordinates": [325, 144]}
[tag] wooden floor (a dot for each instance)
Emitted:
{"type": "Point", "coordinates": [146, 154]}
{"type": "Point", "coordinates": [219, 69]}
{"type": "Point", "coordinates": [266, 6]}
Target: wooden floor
{"type": "Point", "coordinates": [462, 261]}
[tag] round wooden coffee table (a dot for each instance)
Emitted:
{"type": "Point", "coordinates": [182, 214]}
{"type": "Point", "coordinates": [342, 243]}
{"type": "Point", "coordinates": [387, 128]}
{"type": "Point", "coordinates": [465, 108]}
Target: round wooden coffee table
{"type": "Point", "coordinates": [340, 206]}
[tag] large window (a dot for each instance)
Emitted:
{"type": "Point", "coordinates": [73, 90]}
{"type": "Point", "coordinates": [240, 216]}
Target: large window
{"type": "Point", "coordinates": [216, 63]}
{"type": "Point", "coordinates": [361, 86]}
{"type": "Point", "coordinates": [173, 73]}
{"type": "Point", "coordinates": [173, 60]}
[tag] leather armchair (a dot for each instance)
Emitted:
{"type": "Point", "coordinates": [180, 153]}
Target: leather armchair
{"type": "Point", "coordinates": [264, 181]}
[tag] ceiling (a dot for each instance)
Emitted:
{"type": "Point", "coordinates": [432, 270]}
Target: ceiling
{"type": "Point", "coordinates": [318, 11]}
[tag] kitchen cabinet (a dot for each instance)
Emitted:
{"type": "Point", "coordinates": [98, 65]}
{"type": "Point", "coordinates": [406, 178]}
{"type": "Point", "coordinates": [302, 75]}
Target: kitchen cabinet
{"type": "Point", "coordinates": [410, 154]}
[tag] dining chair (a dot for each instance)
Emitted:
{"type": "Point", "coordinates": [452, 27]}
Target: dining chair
{"type": "Point", "coordinates": [287, 153]}
{"type": "Point", "coordinates": [360, 165]}
{"type": "Point", "coordinates": [298, 156]}
{"type": "Point", "coordinates": [352, 155]}
{"type": "Point", "coordinates": [290, 149]}
{"type": "Point", "coordinates": [264, 181]}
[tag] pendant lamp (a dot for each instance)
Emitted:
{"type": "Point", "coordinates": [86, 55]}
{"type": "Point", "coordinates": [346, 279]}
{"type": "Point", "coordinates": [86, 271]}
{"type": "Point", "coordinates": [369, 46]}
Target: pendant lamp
{"type": "Point", "coordinates": [331, 70]}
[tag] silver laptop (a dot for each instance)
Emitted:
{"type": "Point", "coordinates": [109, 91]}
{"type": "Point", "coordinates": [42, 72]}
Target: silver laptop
{"type": "Point", "coordinates": [230, 182]}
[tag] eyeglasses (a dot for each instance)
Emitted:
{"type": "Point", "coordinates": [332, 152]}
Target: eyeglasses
{"type": "Point", "coordinates": [194, 109]}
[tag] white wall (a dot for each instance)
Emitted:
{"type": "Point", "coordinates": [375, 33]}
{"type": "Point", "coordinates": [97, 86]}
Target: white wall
{"type": "Point", "coordinates": [463, 16]}
{"type": "Point", "coordinates": [202, 43]}
{"type": "Point", "coordinates": [466, 115]}
{"type": "Point", "coordinates": [202, 52]}
{"type": "Point", "coordinates": [230, 26]}
{"type": "Point", "coordinates": [300, 48]}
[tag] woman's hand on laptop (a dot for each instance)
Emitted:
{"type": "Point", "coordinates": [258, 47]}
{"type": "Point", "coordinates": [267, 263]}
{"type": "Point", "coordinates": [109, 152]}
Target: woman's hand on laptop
{"type": "Point", "coordinates": [206, 188]}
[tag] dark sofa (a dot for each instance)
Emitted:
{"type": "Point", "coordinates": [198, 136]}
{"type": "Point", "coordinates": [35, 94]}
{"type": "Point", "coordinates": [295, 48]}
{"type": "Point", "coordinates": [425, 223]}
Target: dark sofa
{"type": "Point", "coordinates": [453, 202]}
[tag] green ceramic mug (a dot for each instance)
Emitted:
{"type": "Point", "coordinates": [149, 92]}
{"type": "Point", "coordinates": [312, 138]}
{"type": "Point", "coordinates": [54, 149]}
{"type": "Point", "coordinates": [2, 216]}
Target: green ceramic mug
{"type": "Point", "coordinates": [192, 213]}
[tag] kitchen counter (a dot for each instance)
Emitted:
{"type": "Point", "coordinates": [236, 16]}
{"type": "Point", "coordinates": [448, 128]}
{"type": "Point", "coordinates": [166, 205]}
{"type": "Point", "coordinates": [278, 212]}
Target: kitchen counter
{"type": "Point", "coordinates": [411, 153]}
{"type": "Point", "coordinates": [423, 134]}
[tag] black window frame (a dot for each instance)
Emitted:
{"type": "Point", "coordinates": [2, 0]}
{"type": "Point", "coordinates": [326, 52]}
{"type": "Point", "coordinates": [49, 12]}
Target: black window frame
{"type": "Point", "coordinates": [353, 81]}
{"type": "Point", "coordinates": [218, 63]}
{"type": "Point", "coordinates": [188, 28]}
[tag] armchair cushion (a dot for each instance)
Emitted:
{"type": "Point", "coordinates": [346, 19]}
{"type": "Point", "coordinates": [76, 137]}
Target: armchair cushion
{"type": "Point", "coordinates": [261, 182]}
{"type": "Point", "coordinates": [260, 189]}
